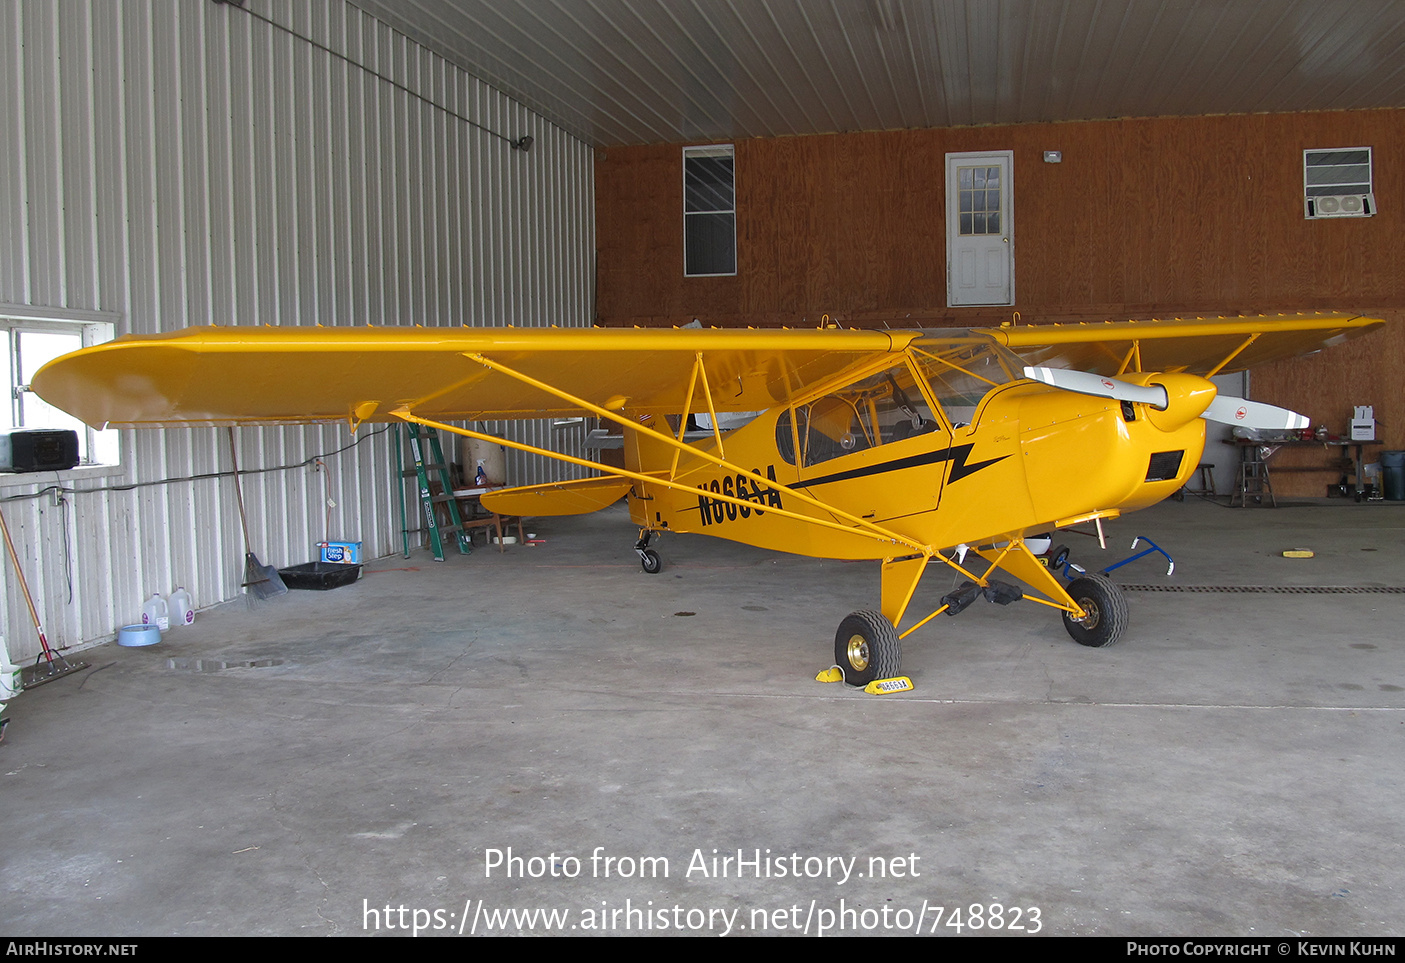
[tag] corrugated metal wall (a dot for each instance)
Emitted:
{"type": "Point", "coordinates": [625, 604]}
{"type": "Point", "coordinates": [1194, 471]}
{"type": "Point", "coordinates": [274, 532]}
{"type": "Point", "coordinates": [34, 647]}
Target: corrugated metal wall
{"type": "Point", "coordinates": [178, 163]}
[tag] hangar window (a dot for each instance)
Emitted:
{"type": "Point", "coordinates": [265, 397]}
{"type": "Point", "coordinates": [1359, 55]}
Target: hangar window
{"type": "Point", "coordinates": [31, 343]}
{"type": "Point", "coordinates": [1337, 183]}
{"type": "Point", "coordinates": [709, 211]}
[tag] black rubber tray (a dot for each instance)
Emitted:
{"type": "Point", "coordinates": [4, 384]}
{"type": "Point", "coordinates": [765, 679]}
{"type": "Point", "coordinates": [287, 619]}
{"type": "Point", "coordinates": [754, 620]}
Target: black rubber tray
{"type": "Point", "coordinates": [319, 576]}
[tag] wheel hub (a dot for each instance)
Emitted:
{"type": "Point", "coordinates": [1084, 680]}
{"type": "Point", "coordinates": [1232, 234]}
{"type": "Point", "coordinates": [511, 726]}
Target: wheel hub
{"type": "Point", "coordinates": [858, 652]}
{"type": "Point", "coordinates": [1091, 615]}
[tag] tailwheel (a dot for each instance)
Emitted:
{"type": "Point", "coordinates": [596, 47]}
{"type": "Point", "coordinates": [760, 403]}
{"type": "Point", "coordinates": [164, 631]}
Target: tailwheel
{"type": "Point", "coordinates": [1105, 609]}
{"type": "Point", "coordinates": [648, 558]}
{"type": "Point", "coordinates": [866, 647]}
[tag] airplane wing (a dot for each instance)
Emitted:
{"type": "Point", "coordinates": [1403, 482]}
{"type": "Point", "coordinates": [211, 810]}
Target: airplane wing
{"type": "Point", "coordinates": [253, 375]}
{"type": "Point", "coordinates": [1201, 346]}
{"type": "Point", "coordinates": [233, 375]}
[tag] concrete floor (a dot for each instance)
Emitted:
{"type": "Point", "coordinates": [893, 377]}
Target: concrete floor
{"type": "Point", "coordinates": [1235, 766]}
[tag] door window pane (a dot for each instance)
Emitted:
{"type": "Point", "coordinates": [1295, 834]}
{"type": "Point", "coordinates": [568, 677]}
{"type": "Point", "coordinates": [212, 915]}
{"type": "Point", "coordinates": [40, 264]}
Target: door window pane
{"type": "Point", "coordinates": [978, 199]}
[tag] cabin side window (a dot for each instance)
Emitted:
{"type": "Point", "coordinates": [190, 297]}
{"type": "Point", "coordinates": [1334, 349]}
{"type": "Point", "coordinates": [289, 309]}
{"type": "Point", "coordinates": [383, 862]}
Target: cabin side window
{"type": "Point", "coordinates": [876, 411]}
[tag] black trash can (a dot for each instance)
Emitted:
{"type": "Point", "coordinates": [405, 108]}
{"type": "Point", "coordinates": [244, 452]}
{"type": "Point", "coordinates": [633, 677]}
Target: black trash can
{"type": "Point", "coordinates": [1393, 475]}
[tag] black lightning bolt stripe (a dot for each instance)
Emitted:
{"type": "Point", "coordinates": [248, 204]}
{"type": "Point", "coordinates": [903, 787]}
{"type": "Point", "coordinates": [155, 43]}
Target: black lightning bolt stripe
{"type": "Point", "coordinates": [956, 454]}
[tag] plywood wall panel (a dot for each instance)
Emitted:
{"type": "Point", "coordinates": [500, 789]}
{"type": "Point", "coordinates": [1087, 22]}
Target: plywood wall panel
{"type": "Point", "coordinates": [1190, 214]}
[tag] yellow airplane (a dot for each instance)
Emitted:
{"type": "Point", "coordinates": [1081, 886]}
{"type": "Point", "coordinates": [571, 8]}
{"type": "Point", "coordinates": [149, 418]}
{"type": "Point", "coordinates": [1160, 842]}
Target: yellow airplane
{"type": "Point", "coordinates": [911, 448]}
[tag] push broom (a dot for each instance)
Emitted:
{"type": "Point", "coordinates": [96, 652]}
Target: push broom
{"type": "Point", "coordinates": [262, 581]}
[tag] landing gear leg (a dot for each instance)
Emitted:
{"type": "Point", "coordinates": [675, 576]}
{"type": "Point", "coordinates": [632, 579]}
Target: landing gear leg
{"type": "Point", "coordinates": [648, 558]}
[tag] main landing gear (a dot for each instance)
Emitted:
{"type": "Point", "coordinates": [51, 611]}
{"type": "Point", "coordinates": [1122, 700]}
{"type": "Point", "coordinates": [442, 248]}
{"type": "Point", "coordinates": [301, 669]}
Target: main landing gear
{"type": "Point", "coordinates": [867, 646]}
{"type": "Point", "coordinates": [1105, 607]}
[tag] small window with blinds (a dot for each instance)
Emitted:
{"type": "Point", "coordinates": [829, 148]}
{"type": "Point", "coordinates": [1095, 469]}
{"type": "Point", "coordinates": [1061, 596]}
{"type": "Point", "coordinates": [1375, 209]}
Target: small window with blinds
{"type": "Point", "coordinates": [709, 211]}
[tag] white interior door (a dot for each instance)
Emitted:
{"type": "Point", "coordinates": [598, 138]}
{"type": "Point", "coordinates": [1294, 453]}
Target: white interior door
{"type": "Point", "coordinates": [980, 250]}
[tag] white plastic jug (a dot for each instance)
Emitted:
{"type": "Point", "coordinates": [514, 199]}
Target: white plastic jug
{"type": "Point", "coordinates": [154, 612]}
{"type": "Point", "coordinates": [10, 683]}
{"type": "Point", "coordinates": [182, 612]}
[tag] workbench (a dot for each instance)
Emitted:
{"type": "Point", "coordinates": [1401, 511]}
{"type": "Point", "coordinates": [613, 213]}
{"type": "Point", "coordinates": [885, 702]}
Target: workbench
{"type": "Point", "coordinates": [1254, 454]}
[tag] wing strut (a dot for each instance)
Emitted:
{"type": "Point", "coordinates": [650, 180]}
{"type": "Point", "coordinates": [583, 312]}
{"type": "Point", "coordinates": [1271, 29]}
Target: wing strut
{"type": "Point", "coordinates": [868, 531]}
{"type": "Point", "coordinates": [1134, 354]}
{"type": "Point", "coordinates": [683, 426]}
{"type": "Point", "coordinates": [699, 374]}
{"type": "Point", "coordinates": [860, 526]}
{"type": "Point", "coordinates": [1232, 355]}
{"type": "Point", "coordinates": [711, 414]}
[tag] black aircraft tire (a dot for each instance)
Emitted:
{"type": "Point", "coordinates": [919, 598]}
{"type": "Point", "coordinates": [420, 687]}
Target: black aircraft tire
{"type": "Point", "coordinates": [866, 647]}
{"type": "Point", "coordinates": [651, 562]}
{"type": "Point", "coordinates": [1106, 606]}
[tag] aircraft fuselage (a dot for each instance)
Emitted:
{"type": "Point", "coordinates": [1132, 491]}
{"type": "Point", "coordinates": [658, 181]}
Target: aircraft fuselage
{"type": "Point", "coordinates": [1032, 457]}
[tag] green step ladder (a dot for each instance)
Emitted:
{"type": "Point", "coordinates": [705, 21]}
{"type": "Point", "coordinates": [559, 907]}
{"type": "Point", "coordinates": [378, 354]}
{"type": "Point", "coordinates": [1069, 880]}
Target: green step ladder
{"type": "Point", "coordinates": [418, 439]}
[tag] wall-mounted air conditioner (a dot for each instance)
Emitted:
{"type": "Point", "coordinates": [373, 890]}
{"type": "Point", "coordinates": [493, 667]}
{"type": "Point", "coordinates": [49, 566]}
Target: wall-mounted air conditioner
{"type": "Point", "coordinates": [1337, 183]}
{"type": "Point", "coordinates": [1342, 205]}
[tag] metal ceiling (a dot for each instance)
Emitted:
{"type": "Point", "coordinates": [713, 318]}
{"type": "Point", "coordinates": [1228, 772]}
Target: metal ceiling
{"type": "Point", "coordinates": [666, 71]}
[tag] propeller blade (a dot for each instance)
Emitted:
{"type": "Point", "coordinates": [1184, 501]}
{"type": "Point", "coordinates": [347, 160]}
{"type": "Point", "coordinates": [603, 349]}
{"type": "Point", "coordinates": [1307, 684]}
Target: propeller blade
{"type": "Point", "coordinates": [1083, 383]}
{"type": "Point", "coordinates": [1224, 409]}
{"type": "Point", "coordinates": [1229, 410]}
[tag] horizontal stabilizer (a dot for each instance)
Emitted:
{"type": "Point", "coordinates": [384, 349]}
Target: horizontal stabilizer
{"type": "Point", "coordinates": [579, 497]}
{"type": "Point", "coordinates": [1229, 410]}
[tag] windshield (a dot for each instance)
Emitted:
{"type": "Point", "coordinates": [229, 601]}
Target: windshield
{"type": "Point", "coordinates": [962, 366]}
